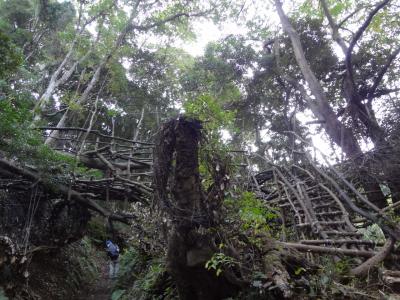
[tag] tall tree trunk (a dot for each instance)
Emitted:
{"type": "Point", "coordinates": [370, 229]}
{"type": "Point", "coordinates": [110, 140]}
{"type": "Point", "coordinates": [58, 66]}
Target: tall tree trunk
{"type": "Point", "coordinates": [55, 134]}
{"type": "Point", "coordinates": [190, 243]}
{"type": "Point", "coordinates": [55, 79]}
{"type": "Point", "coordinates": [340, 134]}
{"type": "Point", "coordinates": [51, 140]}
{"type": "Point", "coordinates": [139, 125]}
{"type": "Point", "coordinates": [365, 113]}
{"type": "Point", "coordinates": [55, 82]}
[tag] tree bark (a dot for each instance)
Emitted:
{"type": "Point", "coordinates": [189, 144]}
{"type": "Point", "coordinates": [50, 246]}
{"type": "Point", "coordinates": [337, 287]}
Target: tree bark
{"type": "Point", "coordinates": [340, 134]}
{"type": "Point", "coordinates": [364, 268]}
{"type": "Point", "coordinates": [365, 112]}
{"type": "Point", "coordinates": [52, 138]}
{"type": "Point", "coordinates": [190, 244]}
{"type": "Point", "coordinates": [55, 82]}
{"type": "Point", "coordinates": [55, 79]}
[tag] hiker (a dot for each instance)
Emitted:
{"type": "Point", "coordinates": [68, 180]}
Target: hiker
{"type": "Point", "coordinates": [113, 253]}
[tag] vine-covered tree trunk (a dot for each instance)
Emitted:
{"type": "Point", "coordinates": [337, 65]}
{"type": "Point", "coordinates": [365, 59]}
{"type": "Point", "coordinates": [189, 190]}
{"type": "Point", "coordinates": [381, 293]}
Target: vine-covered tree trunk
{"type": "Point", "coordinates": [191, 240]}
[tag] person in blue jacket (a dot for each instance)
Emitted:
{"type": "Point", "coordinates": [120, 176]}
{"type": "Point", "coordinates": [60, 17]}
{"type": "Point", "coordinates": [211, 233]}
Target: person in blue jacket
{"type": "Point", "coordinates": [113, 254]}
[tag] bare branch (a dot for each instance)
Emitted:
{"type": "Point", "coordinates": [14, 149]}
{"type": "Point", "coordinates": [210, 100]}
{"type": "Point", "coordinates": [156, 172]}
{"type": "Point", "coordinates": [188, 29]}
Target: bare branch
{"type": "Point", "coordinates": [320, 106]}
{"type": "Point", "coordinates": [315, 122]}
{"type": "Point", "coordinates": [382, 92]}
{"type": "Point", "coordinates": [56, 112]}
{"type": "Point", "coordinates": [95, 132]}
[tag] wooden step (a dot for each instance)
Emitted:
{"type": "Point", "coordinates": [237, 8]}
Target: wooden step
{"type": "Point", "coordinates": [320, 197]}
{"type": "Point", "coordinates": [343, 233]}
{"type": "Point", "coordinates": [338, 242]}
{"type": "Point", "coordinates": [323, 223]}
{"type": "Point", "coordinates": [328, 223]}
{"type": "Point", "coordinates": [331, 213]}
{"type": "Point", "coordinates": [326, 205]}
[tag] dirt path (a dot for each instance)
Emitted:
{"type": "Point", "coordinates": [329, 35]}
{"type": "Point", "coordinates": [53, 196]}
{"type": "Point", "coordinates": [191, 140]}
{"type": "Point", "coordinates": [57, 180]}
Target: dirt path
{"type": "Point", "coordinates": [101, 289]}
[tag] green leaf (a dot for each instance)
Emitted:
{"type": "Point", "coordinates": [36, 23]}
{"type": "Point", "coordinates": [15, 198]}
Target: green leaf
{"type": "Point", "coordinates": [299, 270]}
{"type": "Point", "coordinates": [117, 294]}
{"type": "Point", "coordinates": [2, 295]}
{"type": "Point", "coordinates": [337, 9]}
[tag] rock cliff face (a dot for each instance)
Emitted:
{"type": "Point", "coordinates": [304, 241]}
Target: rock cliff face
{"type": "Point", "coordinates": [36, 219]}
{"type": "Point", "coordinates": [34, 222]}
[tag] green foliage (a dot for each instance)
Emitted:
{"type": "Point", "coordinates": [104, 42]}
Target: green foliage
{"type": "Point", "coordinates": [2, 295]}
{"type": "Point", "coordinates": [10, 57]}
{"type": "Point", "coordinates": [154, 271]}
{"type": "Point", "coordinates": [118, 82]}
{"type": "Point", "coordinates": [86, 262]}
{"type": "Point", "coordinates": [14, 18]}
{"type": "Point", "coordinates": [253, 213]}
{"type": "Point", "coordinates": [82, 267]}
{"type": "Point", "coordinates": [330, 273]}
{"type": "Point", "coordinates": [131, 262]}
{"type": "Point", "coordinates": [142, 277]}
{"type": "Point", "coordinates": [219, 261]}
{"type": "Point", "coordinates": [374, 233]}
{"type": "Point", "coordinates": [18, 140]}
{"type": "Point", "coordinates": [97, 231]}
{"type": "Point", "coordinates": [299, 270]}
{"type": "Point", "coordinates": [220, 71]}
{"type": "Point", "coordinates": [180, 27]}
{"type": "Point", "coordinates": [56, 15]}
{"type": "Point", "coordinates": [92, 173]}
{"type": "Point", "coordinates": [208, 110]}
{"type": "Point", "coordinates": [117, 294]}
{"type": "Point", "coordinates": [214, 119]}
{"type": "Point", "coordinates": [338, 8]}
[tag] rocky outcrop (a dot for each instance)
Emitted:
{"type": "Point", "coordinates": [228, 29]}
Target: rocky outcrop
{"type": "Point", "coordinates": [33, 222]}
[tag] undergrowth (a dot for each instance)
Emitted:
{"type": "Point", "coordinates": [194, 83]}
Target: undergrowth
{"type": "Point", "coordinates": [142, 277]}
{"type": "Point", "coordinates": [60, 274]}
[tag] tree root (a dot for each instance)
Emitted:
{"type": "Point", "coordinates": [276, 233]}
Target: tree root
{"type": "Point", "coordinates": [374, 260]}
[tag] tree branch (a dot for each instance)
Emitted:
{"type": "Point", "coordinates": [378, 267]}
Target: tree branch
{"type": "Point", "coordinates": [65, 190]}
{"type": "Point", "coordinates": [374, 260]}
{"type": "Point", "coordinates": [382, 92]}
{"type": "Point", "coordinates": [96, 132]}
{"type": "Point", "coordinates": [381, 73]}
{"type": "Point", "coordinates": [335, 28]}
{"type": "Point", "coordinates": [334, 250]}
{"type": "Point", "coordinates": [340, 24]}
{"type": "Point", "coordinates": [358, 35]}
{"type": "Point", "coordinates": [167, 20]}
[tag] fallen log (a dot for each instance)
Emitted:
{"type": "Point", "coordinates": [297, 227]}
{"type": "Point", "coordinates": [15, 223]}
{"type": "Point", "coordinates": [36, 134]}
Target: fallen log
{"type": "Point", "coordinates": [335, 251]}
